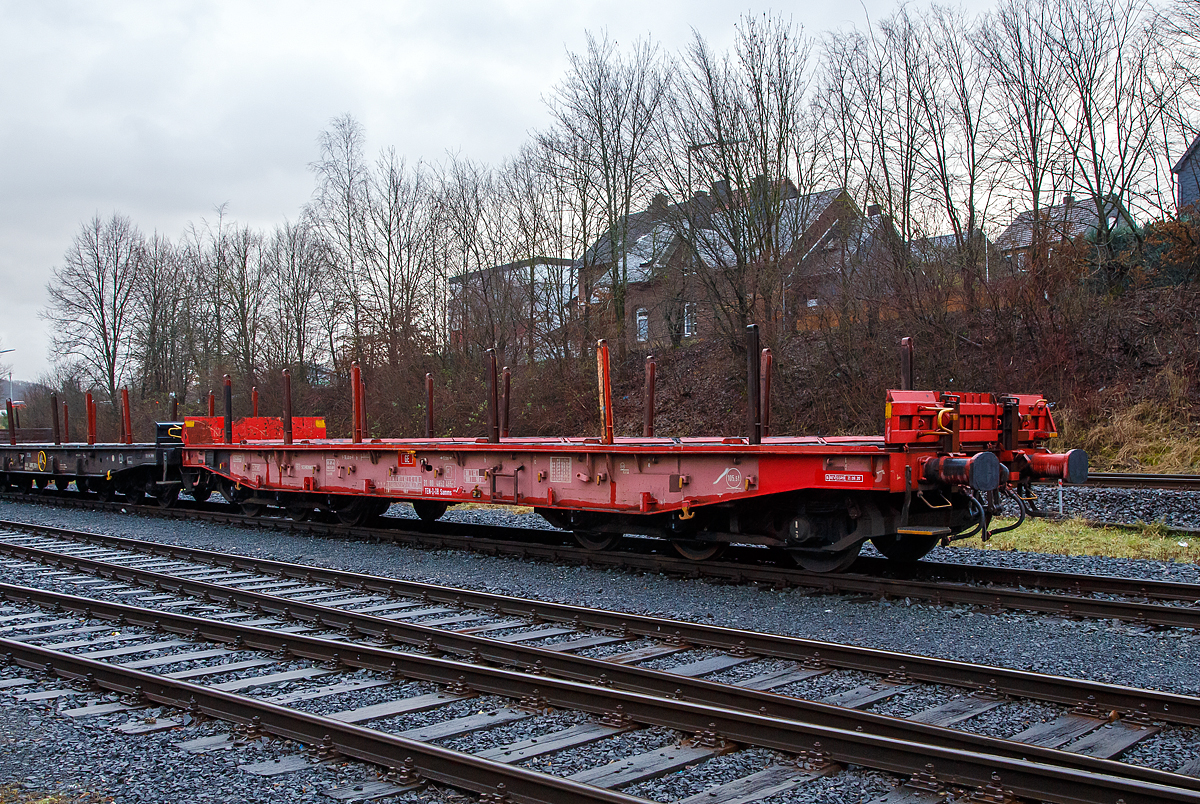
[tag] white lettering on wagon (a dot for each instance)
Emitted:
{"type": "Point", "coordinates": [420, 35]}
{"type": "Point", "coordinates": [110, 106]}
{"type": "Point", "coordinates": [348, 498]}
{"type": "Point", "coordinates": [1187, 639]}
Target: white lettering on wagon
{"type": "Point", "coordinates": [437, 491]}
{"type": "Point", "coordinates": [732, 478]}
{"type": "Point", "coordinates": [841, 478]}
{"type": "Point", "coordinates": [404, 482]}
{"type": "Point", "coordinates": [560, 470]}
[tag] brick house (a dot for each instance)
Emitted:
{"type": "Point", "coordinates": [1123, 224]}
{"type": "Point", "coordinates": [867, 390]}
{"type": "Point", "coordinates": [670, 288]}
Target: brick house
{"type": "Point", "coordinates": [522, 308]}
{"type": "Point", "coordinates": [676, 255]}
{"type": "Point", "coordinates": [1187, 177]}
{"type": "Point", "coordinates": [1060, 224]}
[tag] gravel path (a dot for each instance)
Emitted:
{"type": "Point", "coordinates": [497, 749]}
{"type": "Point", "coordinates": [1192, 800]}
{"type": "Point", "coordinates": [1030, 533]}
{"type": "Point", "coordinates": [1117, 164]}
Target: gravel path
{"type": "Point", "coordinates": [49, 753]}
{"type": "Point", "coordinates": [1180, 509]}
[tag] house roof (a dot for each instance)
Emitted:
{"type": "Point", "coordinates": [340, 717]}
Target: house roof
{"type": "Point", "coordinates": [796, 215]}
{"type": "Point", "coordinates": [656, 232]}
{"type": "Point", "coordinates": [1067, 220]}
{"type": "Point", "coordinates": [1192, 150]}
{"type": "Point", "coordinates": [928, 248]}
{"type": "Point", "coordinates": [512, 266]}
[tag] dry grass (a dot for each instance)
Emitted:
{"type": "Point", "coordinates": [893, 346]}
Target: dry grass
{"type": "Point", "coordinates": [1156, 433]}
{"type": "Point", "coordinates": [1076, 538]}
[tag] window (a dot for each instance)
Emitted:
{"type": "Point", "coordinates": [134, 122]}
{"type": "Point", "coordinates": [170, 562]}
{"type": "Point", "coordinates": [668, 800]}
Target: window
{"type": "Point", "coordinates": [643, 325]}
{"type": "Point", "coordinates": [689, 320]}
{"type": "Point", "coordinates": [813, 302]}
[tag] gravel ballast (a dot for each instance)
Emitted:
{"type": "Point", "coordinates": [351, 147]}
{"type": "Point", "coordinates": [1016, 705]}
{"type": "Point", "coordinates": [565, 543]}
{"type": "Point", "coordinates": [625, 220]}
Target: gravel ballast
{"type": "Point", "coordinates": [1099, 650]}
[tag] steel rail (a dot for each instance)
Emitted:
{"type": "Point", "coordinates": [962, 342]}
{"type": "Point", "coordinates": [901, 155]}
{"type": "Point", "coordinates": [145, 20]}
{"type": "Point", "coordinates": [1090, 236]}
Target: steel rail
{"type": "Point", "coordinates": [1167, 706]}
{"type": "Point", "coordinates": [1104, 782]}
{"type": "Point", "coordinates": [1076, 584]}
{"type": "Point", "coordinates": [430, 761]}
{"type": "Point", "coordinates": [1144, 480]}
{"type": "Point", "coordinates": [1069, 605]}
{"type": "Point", "coordinates": [548, 546]}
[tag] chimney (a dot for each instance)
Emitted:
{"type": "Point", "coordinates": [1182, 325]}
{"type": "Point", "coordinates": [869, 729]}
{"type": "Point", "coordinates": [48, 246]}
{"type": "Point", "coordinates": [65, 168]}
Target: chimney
{"type": "Point", "coordinates": [658, 207]}
{"type": "Point", "coordinates": [720, 191]}
{"type": "Point", "coordinates": [873, 210]}
{"type": "Point", "coordinates": [1070, 199]}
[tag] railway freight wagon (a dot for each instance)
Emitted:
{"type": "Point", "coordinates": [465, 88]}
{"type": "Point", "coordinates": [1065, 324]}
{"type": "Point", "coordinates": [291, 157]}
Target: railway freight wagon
{"type": "Point", "coordinates": [940, 471]}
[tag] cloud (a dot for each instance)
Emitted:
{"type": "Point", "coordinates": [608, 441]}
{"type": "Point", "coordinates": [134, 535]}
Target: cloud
{"type": "Point", "coordinates": [162, 110]}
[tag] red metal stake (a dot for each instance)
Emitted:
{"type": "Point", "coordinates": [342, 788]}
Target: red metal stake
{"type": "Point", "coordinates": [604, 377]}
{"type": "Point", "coordinates": [254, 400]}
{"type": "Point", "coordinates": [54, 431]}
{"type": "Point", "coordinates": [228, 410]}
{"type": "Point", "coordinates": [90, 412]}
{"type": "Point", "coordinates": [493, 401]}
{"type": "Point", "coordinates": [287, 407]}
{"type": "Point", "coordinates": [648, 398]}
{"type": "Point", "coordinates": [764, 391]}
{"type": "Point", "coordinates": [66, 424]}
{"type": "Point", "coordinates": [126, 419]}
{"type": "Point", "coordinates": [212, 404]}
{"type": "Point", "coordinates": [356, 402]}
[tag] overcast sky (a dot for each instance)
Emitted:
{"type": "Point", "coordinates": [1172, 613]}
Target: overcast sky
{"type": "Point", "coordinates": [163, 110]}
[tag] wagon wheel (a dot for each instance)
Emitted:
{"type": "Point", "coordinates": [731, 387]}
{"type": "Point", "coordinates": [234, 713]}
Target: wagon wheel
{"type": "Point", "coordinates": [21, 483]}
{"type": "Point", "coordinates": [253, 508]}
{"type": "Point", "coordinates": [299, 512]}
{"type": "Point", "coordinates": [826, 561]}
{"type": "Point", "coordinates": [696, 550]}
{"type": "Point", "coordinates": [199, 486]}
{"type": "Point", "coordinates": [904, 549]}
{"type": "Point", "coordinates": [428, 510]}
{"type": "Point", "coordinates": [597, 541]}
{"type": "Point", "coordinates": [354, 511]}
{"type": "Point", "coordinates": [42, 483]}
{"type": "Point", "coordinates": [167, 496]}
{"type": "Point", "coordinates": [103, 488]}
{"type": "Point", "coordinates": [134, 493]}
{"type": "Point", "coordinates": [232, 493]}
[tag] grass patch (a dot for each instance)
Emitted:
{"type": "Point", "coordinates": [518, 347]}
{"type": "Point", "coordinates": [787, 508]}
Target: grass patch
{"type": "Point", "coordinates": [1074, 537]}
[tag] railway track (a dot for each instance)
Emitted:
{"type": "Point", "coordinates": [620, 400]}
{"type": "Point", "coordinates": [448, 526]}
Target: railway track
{"type": "Point", "coordinates": [526, 652]}
{"type": "Point", "coordinates": [1150, 603]}
{"type": "Point", "coordinates": [1135, 480]}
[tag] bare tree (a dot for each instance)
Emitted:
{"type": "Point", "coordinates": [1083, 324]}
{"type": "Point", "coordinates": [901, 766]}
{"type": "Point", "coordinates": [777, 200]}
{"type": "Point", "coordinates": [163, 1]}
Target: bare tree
{"type": "Point", "coordinates": [93, 297]}
{"type": "Point", "coordinates": [612, 102]}
{"type": "Point", "coordinates": [297, 262]}
{"type": "Point", "coordinates": [339, 208]}
{"type": "Point", "coordinates": [959, 111]}
{"type": "Point", "coordinates": [248, 294]}
{"type": "Point", "coordinates": [1013, 41]}
{"type": "Point", "coordinates": [1110, 116]}
{"type": "Point", "coordinates": [738, 119]}
{"type": "Point", "coordinates": [162, 322]}
{"type": "Point", "coordinates": [398, 258]}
